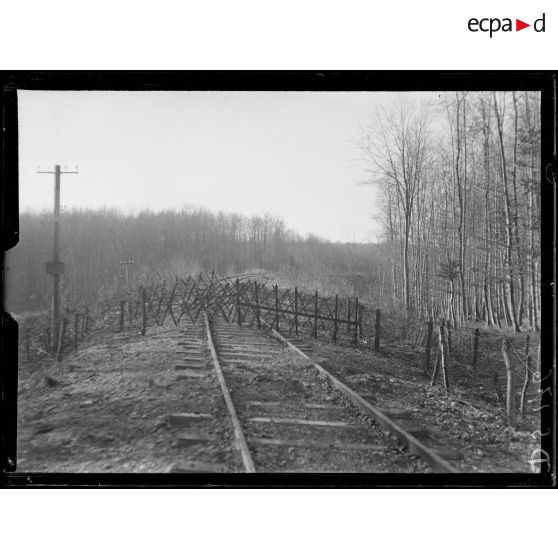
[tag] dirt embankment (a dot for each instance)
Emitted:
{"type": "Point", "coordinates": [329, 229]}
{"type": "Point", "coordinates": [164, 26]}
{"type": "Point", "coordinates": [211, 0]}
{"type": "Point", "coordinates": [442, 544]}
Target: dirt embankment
{"type": "Point", "coordinates": [466, 426]}
{"type": "Point", "coordinates": [103, 408]}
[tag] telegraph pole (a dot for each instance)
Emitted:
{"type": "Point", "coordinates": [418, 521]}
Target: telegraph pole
{"type": "Point", "coordinates": [56, 267]}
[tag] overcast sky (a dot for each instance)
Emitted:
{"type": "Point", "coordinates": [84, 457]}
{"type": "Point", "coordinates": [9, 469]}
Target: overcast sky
{"type": "Point", "coordinates": [291, 154]}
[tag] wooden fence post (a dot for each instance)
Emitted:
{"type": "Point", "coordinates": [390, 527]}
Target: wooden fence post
{"type": "Point", "coordinates": [497, 388]}
{"type": "Point", "coordinates": [355, 340]}
{"type": "Point", "coordinates": [428, 344]}
{"type": "Point", "coordinates": [137, 305]}
{"type": "Point", "coordinates": [63, 326]}
{"type": "Point", "coordinates": [296, 311]}
{"type": "Point", "coordinates": [360, 321]}
{"type": "Point", "coordinates": [335, 319]}
{"type": "Point", "coordinates": [443, 354]}
{"type": "Point", "coordinates": [121, 320]}
{"type": "Point", "coordinates": [316, 315]}
{"type": "Point", "coordinates": [76, 331]}
{"type": "Point", "coordinates": [348, 314]}
{"type": "Point", "coordinates": [276, 288]}
{"type": "Point", "coordinates": [476, 349]}
{"type": "Point", "coordinates": [448, 340]}
{"type": "Point", "coordinates": [510, 388]}
{"type": "Point", "coordinates": [262, 294]}
{"type": "Point", "coordinates": [377, 331]}
{"type": "Point", "coordinates": [436, 369]}
{"type": "Point", "coordinates": [238, 318]}
{"type": "Point", "coordinates": [257, 304]}
{"type": "Point", "coordinates": [527, 381]}
{"type": "Point", "coordinates": [130, 310]}
{"type": "Point", "coordinates": [143, 311]}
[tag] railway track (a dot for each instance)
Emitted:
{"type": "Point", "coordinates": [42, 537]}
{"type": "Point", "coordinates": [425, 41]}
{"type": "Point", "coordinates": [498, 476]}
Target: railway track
{"type": "Point", "coordinates": [258, 403]}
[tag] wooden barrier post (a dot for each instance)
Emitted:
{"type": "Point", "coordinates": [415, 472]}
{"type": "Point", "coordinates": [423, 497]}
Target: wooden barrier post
{"type": "Point", "coordinates": [238, 317]}
{"type": "Point", "coordinates": [316, 315]}
{"type": "Point", "coordinates": [276, 308]}
{"type": "Point", "coordinates": [130, 310]}
{"type": "Point", "coordinates": [257, 304]}
{"type": "Point", "coordinates": [510, 373]}
{"type": "Point", "coordinates": [335, 319]}
{"type": "Point", "coordinates": [377, 331]}
{"type": "Point", "coordinates": [296, 311]}
{"type": "Point", "coordinates": [263, 295]}
{"type": "Point", "coordinates": [348, 314]}
{"type": "Point", "coordinates": [355, 339]}
{"type": "Point", "coordinates": [121, 319]}
{"type": "Point", "coordinates": [527, 381]}
{"type": "Point", "coordinates": [63, 327]}
{"type": "Point", "coordinates": [143, 311]}
{"type": "Point", "coordinates": [476, 349]}
{"type": "Point", "coordinates": [436, 369]}
{"type": "Point", "coordinates": [497, 388]}
{"type": "Point", "coordinates": [49, 349]}
{"type": "Point", "coordinates": [360, 321]}
{"type": "Point", "coordinates": [76, 331]}
{"type": "Point", "coordinates": [443, 354]}
{"type": "Point", "coordinates": [428, 344]}
{"type": "Point", "coordinates": [137, 305]}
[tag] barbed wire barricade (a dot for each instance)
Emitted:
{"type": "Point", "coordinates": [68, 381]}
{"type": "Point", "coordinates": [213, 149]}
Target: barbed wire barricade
{"type": "Point", "coordinates": [468, 356]}
{"type": "Point", "coordinates": [249, 299]}
{"type": "Point", "coordinates": [476, 358]}
{"type": "Point", "coordinates": [36, 339]}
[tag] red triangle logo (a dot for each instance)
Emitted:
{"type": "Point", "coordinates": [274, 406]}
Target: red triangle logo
{"type": "Point", "coordinates": [519, 25]}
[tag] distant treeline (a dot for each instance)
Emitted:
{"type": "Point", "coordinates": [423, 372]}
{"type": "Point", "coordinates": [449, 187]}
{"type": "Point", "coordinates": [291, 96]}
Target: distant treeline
{"type": "Point", "coordinates": [168, 243]}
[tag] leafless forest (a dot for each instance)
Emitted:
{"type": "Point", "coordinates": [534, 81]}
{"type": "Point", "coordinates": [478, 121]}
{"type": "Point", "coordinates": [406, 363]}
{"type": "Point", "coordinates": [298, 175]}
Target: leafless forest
{"type": "Point", "coordinates": [169, 244]}
{"type": "Point", "coordinates": [462, 210]}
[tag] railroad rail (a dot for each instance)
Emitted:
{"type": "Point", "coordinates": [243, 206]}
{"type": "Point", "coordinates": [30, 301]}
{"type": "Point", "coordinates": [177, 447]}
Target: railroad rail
{"type": "Point", "coordinates": [412, 444]}
{"type": "Point", "coordinates": [279, 410]}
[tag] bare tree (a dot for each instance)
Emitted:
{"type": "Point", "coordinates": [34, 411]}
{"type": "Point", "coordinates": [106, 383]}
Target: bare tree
{"type": "Point", "coordinates": [398, 147]}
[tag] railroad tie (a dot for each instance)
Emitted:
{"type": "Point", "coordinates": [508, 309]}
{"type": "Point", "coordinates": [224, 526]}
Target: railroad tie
{"type": "Point", "coordinates": [309, 422]}
{"type": "Point", "coordinates": [187, 419]}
